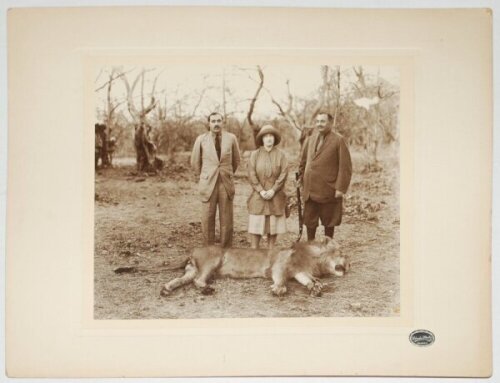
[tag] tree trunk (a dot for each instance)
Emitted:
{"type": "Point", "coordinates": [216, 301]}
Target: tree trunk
{"type": "Point", "coordinates": [144, 147]}
{"type": "Point", "coordinates": [145, 150]}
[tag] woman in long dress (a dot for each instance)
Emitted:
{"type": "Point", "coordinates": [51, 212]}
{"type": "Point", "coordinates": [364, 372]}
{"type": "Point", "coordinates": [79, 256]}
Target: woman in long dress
{"type": "Point", "coordinates": [267, 172]}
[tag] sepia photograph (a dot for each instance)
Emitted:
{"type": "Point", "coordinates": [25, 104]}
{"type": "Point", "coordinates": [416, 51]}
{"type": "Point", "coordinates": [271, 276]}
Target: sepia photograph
{"type": "Point", "coordinates": [241, 191]}
{"type": "Point", "coordinates": [272, 191]}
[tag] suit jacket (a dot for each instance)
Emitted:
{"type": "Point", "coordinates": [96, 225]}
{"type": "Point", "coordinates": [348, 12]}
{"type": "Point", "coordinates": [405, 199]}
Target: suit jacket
{"type": "Point", "coordinates": [206, 163]}
{"type": "Point", "coordinates": [326, 171]}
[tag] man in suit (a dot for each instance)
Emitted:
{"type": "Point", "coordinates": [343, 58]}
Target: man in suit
{"type": "Point", "coordinates": [215, 157]}
{"type": "Point", "coordinates": [325, 171]}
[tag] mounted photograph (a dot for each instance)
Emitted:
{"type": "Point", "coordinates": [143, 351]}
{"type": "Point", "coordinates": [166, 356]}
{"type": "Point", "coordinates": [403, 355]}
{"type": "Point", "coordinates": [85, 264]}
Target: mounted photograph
{"type": "Point", "coordinates": [272, 190]}
{"type": "Point", "coordinates": [243, 191]}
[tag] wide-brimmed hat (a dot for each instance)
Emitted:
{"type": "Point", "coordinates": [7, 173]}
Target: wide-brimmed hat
{"type": "Point", "coordinates": [268, 129]}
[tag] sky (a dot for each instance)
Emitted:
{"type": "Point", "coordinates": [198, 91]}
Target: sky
{"type": "Point", "coordinates": [187, 82]}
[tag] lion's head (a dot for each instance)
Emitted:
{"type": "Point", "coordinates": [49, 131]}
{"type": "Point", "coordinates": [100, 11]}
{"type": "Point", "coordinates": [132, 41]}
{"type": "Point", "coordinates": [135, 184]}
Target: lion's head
{"type": "Point", "coordinates": [334, 262]}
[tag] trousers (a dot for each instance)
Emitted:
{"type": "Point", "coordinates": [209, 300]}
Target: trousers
{"type": "Point", "coordinates": [330, 213]}
{"type": "Point", "coordinates": [220, 199]}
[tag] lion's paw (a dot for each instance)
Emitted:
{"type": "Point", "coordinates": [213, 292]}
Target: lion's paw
{"type": "Point", "coordinates": [278, 290]}
{"type": "Point", "coordinates": [316, 290]}
{"type": "Point", "coordinates": [207, 290]}
{"type": "Point", "coordinates": [165, 292]}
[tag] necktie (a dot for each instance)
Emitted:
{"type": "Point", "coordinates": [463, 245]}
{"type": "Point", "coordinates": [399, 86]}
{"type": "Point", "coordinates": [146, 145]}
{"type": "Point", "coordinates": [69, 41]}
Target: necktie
{"type": "Point", "coordinates": [320, 142]}
{"type": "Point", "coordinates": [217, 144]}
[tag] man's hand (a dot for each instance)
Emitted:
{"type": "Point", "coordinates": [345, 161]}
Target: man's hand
{"type": "Point", "coordinates": [338, 194]}
{"type": "Point", "coordinates": [263, 194]}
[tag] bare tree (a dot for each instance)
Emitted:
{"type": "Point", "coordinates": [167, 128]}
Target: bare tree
{"type": "Point", "coordinates": [288, 113]}
{"type": "Point", "coordinates": [361, 86]}
{"type": "Point", "coordinates": [303, 120]}
{"type": "Point", "coordinates": [255, 128]}
{"type": "Point", "coordinates": [224, 111]}
{"type": "Point", "coordinates": [336, 82]}
{"type": "Point", "coordinates": [144, 147]}
{"type": "Point", "coordinates": [110, 112]}
{"type": "Point", "coordinates": [375, 128]}
{"type": "Point", "coordinates": [369, 121]}
{"type": "Point", "coordinates": [111, 106]}
{"type": "Point", "coordinates": [322, 94]}
{"type": "Point", "coordinates": [173, 121]}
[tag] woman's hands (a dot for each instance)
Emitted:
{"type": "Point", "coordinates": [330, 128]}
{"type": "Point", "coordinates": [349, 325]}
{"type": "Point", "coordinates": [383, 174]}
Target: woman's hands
{"type": "Point", "coordinates": [267, 194]}
{"type": "Point", "coordinates": [270, 193]}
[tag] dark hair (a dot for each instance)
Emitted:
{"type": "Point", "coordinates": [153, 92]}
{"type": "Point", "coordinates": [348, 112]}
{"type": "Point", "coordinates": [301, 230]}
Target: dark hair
{"type": "Point", "coordinates": [330, 117]}
{"type": "Point", "coordinates": [213, 114]}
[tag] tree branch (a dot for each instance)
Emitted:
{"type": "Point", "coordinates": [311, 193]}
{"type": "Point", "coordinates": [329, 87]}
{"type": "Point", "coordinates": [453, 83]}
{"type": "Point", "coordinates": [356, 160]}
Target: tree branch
{"type": "Point", "coordinates": [121, 74]}
{"type": "Point", "coordinates": [288, 117]}
{"type": "Point", "coordinates": [130, 100]}
{"type": "Point", "coordinates": [254, 99]}
{"type": "Point", "coordinates": [321, 99]}
{"type": "Point", "coordinates": [198, 103]}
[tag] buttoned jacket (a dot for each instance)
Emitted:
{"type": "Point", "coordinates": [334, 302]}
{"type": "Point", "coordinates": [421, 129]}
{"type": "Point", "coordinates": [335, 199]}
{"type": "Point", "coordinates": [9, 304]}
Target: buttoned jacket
{"type": "Point", "coordinates": [326, 170]}
{"type": "Point", "coordinates": [260, 181]}
{"type": "Point", "coordinates": [210, 168]}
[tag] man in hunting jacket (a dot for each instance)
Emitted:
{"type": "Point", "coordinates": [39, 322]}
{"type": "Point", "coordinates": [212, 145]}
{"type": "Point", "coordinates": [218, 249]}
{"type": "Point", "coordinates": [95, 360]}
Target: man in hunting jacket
{"type": "Point", "coordinates": [215, 157]}
{"type": "Point", "coordinates": [325, 171]}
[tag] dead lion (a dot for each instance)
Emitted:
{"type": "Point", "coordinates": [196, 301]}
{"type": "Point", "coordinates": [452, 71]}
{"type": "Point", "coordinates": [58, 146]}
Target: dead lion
{"type": "Point", "coordinates": [305, 262]}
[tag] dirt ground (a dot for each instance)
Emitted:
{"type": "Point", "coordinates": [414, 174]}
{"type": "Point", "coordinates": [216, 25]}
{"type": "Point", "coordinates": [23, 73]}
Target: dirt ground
{"type": "Point", "coordinates": [144, 223]}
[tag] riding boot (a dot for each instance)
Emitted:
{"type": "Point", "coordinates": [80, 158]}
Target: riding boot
{"type": "Point", "coordinates": [311, 233]}
{"type": "Point", "coordinates": [329, 231]}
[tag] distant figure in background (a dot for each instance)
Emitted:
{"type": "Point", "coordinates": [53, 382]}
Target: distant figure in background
{"type": "Point", "coordinates": [100, 139]}
{"type": "Point", "coordinates": [325, 171]}
{"type": "Point", "coordinates": [215, 157]}
{"type": "Point", "coordinates": [111, 150]}
{"type": "Point", "coordinates": [267, 172]}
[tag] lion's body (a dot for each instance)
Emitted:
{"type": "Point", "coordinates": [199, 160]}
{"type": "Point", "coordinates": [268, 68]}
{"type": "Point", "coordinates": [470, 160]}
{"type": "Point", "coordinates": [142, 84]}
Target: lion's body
{"type": "Point", "coordinates": [304, 262]}
{"type": "Point", "coordinates": [246, 263]}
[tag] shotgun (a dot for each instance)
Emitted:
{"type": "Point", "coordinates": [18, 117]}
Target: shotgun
{"type": "Point", "coordinates": [299, 207]}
